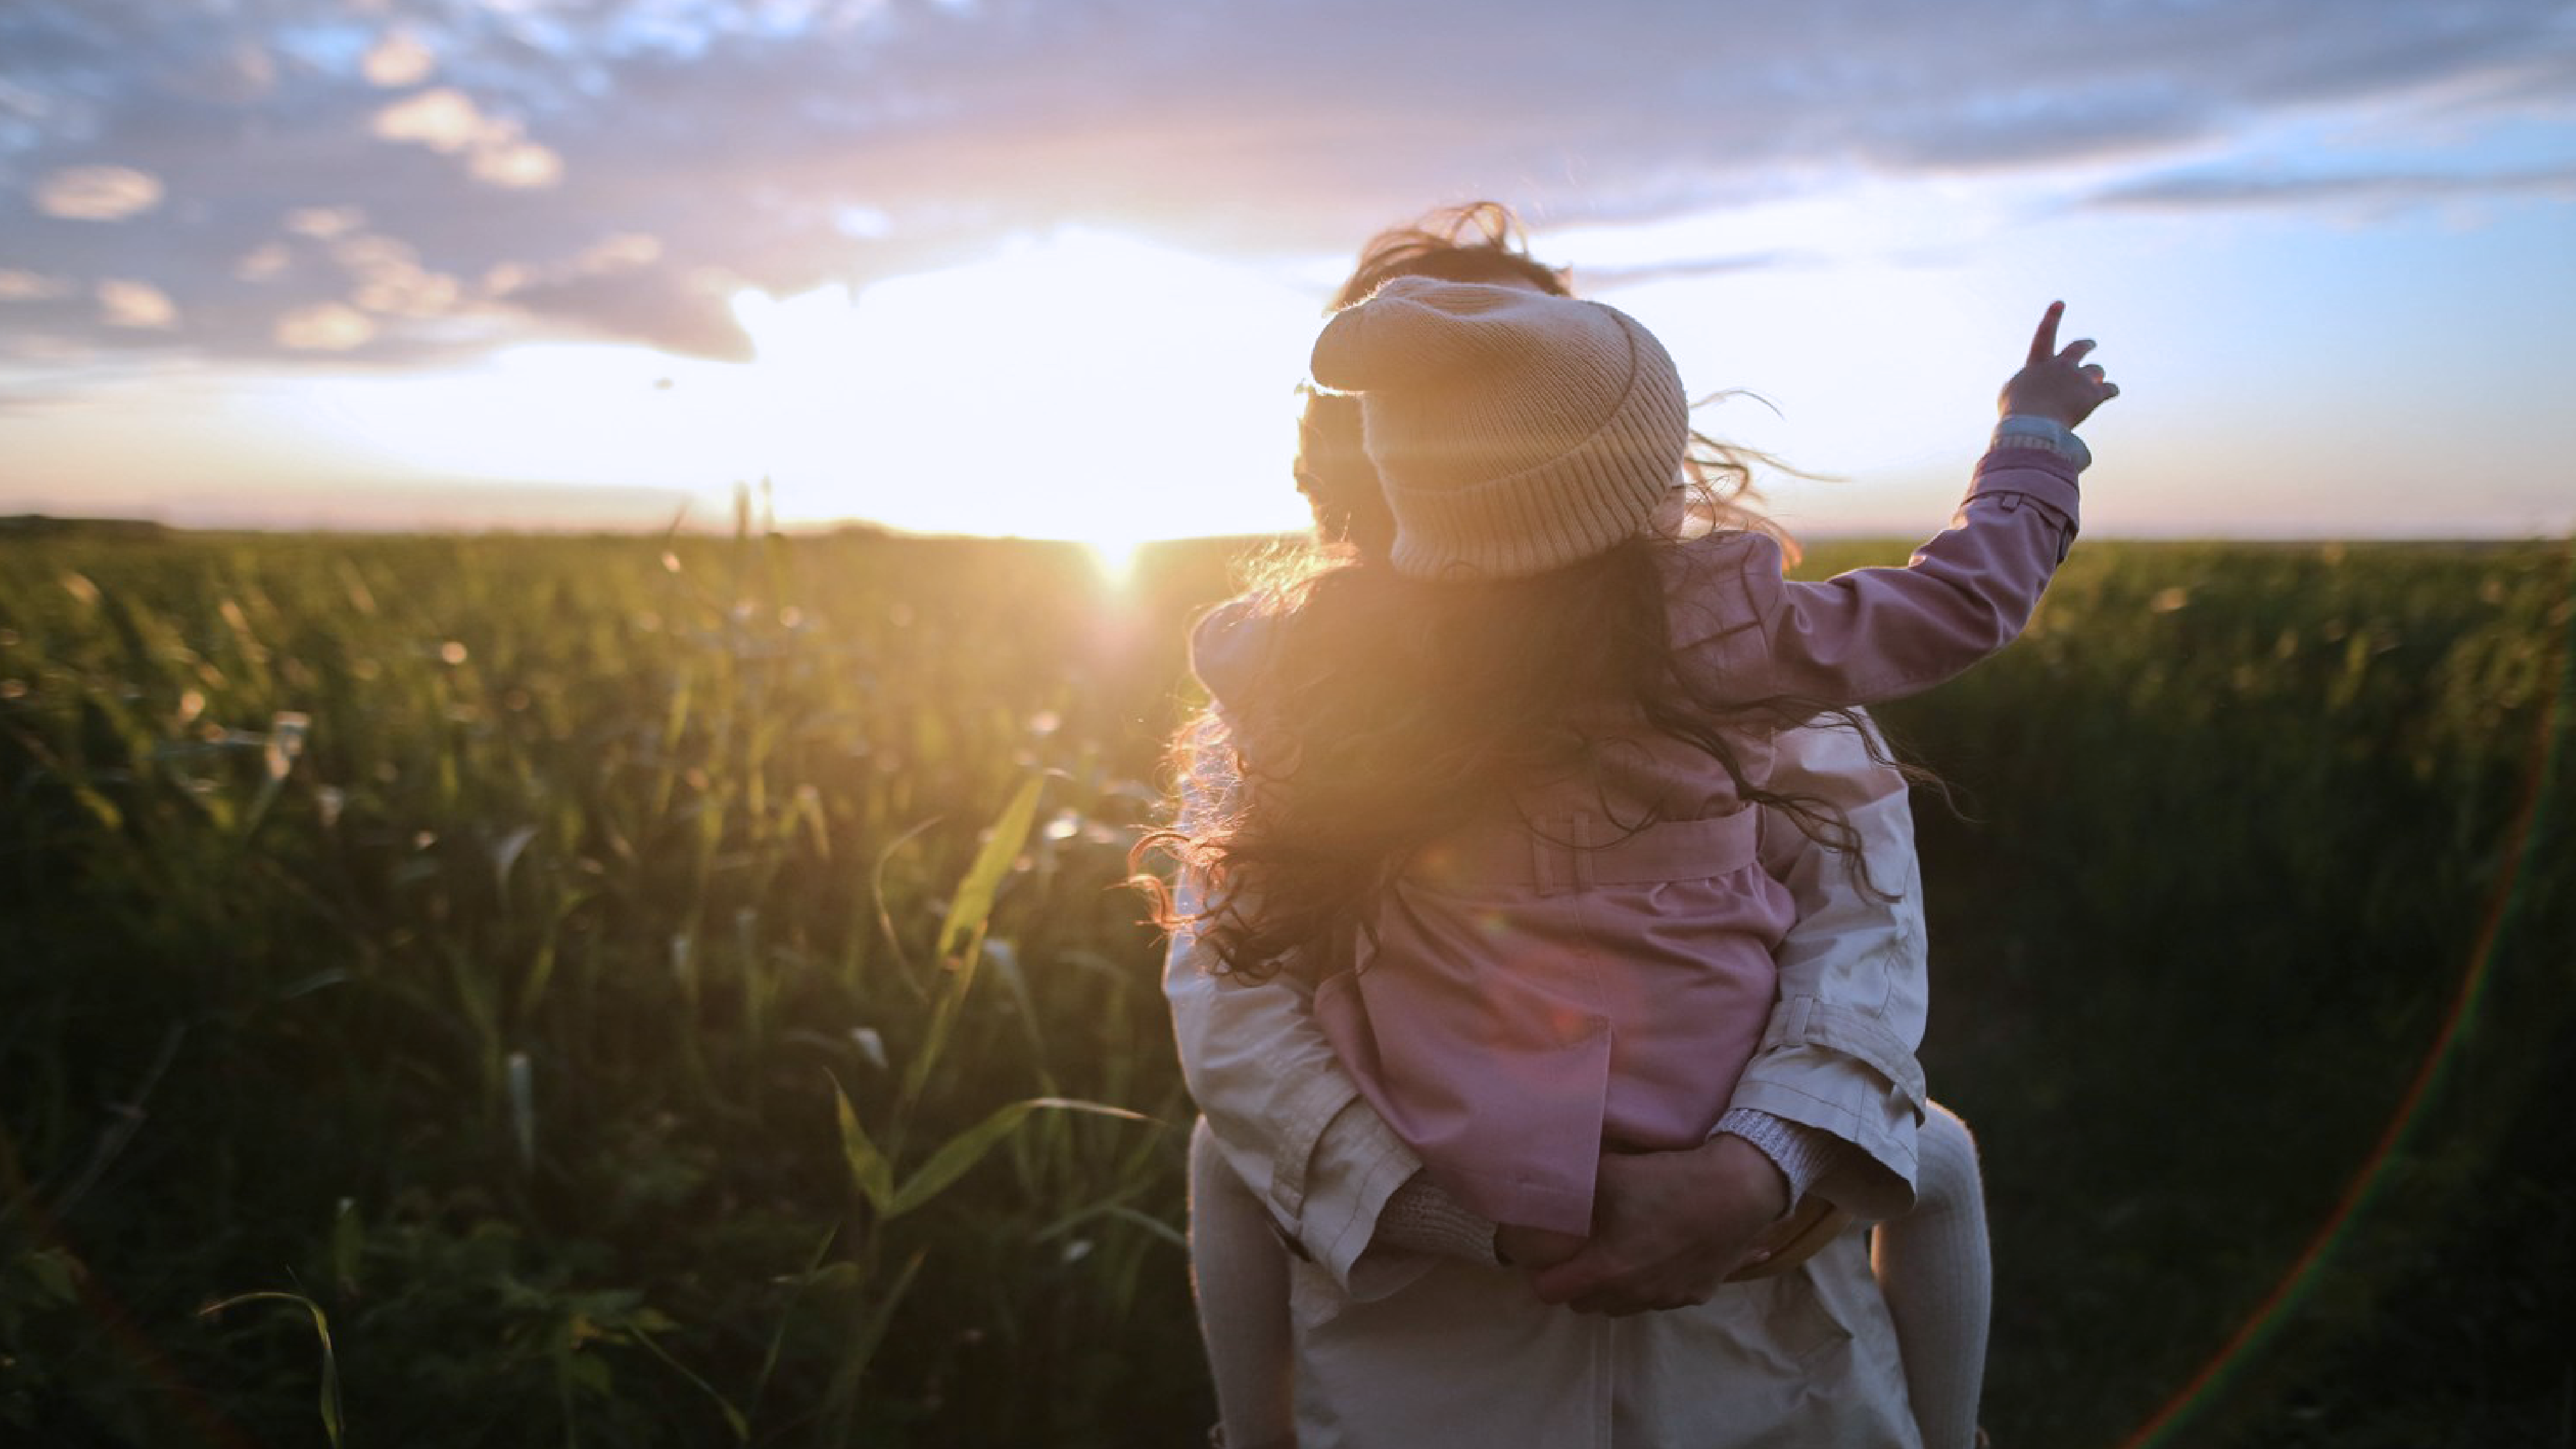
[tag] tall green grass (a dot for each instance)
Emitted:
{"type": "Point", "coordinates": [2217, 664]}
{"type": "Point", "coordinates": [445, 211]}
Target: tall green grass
{"type": "Point", "coordinates": [611, 984]}
{"type": "Point", "coordinates": [624, 992]}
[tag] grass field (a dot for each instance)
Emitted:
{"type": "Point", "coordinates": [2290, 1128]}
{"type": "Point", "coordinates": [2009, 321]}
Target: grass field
{"type": "Point", "coordinates": [564, 991]}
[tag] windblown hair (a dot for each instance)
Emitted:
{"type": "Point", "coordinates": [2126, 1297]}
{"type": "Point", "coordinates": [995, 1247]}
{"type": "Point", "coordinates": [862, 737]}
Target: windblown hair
{"type": "Point", "coordinates": [1397, 710]}
{"type": "Point", "coordinates": [1478, 242]}
{"type": "Point", "coordinates": [1394, 711]}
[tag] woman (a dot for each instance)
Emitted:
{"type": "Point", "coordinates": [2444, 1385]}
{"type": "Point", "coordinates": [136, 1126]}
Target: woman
{"type": "Point", "coordinates": [1394, 1312]}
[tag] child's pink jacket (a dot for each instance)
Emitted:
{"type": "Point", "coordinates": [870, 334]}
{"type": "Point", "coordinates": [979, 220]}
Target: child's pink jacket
{"type": "Point", "coordinates": [1555, 981]}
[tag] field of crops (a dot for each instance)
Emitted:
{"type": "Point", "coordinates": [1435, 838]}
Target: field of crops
{"type": "Point", "coordinates": [618, 992]}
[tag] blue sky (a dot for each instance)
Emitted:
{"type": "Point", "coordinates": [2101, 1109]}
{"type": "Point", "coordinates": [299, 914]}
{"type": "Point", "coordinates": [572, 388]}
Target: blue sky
{"type": "Point", "coordinates": [1050, 266]}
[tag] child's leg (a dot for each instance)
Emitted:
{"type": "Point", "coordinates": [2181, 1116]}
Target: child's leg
{"type": "Point", "coordinates": [1240, 1274]}
{"type": "Point", "coordinates": [1934, 1269]}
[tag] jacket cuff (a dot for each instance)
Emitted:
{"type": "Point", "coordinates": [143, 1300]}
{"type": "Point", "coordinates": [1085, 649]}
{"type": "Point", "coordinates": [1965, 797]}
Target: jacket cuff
{"type": "Point", "coordinates": [2013, 465]}
{"type": "Point", "coordinates": [1306, 1109]}
{"type": "Point", "coordinates": [1806, 1036]}
{"type": "Point", "coordinates": [2018, 470]}
{"type": "Point", "coordinates": [1809, 1021]}
{"type": "Point", "coordinates": [1358, 1167]}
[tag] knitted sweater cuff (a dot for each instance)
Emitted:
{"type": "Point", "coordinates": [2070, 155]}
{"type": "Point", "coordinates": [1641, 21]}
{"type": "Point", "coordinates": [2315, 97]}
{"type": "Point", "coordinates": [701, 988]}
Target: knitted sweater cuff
{"type": "Point", "coordinates": [1422, 1218]}
{"type": "Point", "coordinates": [2023, 430]}
{"type": "Point", "coordinates": [1803, 1154]}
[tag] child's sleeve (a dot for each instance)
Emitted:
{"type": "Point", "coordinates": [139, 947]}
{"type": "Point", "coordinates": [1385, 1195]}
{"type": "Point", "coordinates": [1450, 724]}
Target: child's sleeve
{"type": "Point", "coordinates": [1744, 633]}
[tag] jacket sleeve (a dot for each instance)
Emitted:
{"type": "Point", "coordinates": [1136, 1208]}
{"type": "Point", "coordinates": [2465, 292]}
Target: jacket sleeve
{"type": "Point", "coordinates": [1745, 632]}
{"type": "Point", "coordinates": [1838, 1052]}
{"type": "Point", "coordinates": [1286, 1116]}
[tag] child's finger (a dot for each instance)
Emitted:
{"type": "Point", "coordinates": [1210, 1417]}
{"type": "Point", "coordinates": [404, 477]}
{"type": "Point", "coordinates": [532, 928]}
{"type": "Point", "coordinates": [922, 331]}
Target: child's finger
{"type": "Point", "coordinates": [2043, 346]}
{"type": "Point", "coordinates": [2075, 350]}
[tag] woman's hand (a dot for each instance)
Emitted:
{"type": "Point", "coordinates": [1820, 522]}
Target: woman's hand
{"type": "Point", "coordinates": [2057, 384]}
{"type": "Point", "coordinates": [1668, 1227]}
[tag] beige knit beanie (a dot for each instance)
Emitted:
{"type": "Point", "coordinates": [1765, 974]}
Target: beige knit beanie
{"type": "Point", "coordinates": [1515, 432]}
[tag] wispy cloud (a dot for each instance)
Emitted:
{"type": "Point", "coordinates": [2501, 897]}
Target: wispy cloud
{"type": "Point", "coordinates": [97, 193]}
{"type": "Point", "coordinates": [2376, 191]}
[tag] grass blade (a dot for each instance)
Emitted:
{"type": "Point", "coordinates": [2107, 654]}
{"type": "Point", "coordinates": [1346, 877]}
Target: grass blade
{"type": "Point", "coordinates": [868, 1167]}
{"type": "Point", "coordinates": [967, 1148]}
{"type": "Point", "coordinates": [961, 932]}
{"type": "Point", "coordinates": [972, 905]}
{"type": "Point", "coordinates": [321, 1330]}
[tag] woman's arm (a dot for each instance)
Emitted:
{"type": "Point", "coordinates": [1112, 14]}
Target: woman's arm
{"type": "Point", "coordinates": [1286, 1116]}
{"type": "Point", "coordinates": [1292, 1124]}
{"type": "Point", "coordinates": [1837, 1058]}
{"type": "Point", "coordinates": [1838, 1054]}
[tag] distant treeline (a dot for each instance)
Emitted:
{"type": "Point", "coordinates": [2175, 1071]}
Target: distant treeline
{"type": "Point", "coordinates": [40, 525]}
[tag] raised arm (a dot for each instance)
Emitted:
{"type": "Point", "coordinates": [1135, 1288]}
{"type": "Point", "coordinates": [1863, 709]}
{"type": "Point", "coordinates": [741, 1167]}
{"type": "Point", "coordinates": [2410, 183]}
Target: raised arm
{"type": "Point", "coordinates": [1745, 632]}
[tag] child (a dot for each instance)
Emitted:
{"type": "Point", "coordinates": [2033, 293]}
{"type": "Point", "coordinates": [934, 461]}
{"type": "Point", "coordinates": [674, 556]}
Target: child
{"type": "Point", "coordinates": [1520, 760]}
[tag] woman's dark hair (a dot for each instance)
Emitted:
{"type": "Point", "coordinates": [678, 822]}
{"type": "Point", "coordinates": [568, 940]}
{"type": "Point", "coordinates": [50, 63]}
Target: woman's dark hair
{"type": "Point", "coordinates": [1478, 242]}
{"type": "Point", "coordinates": [1396, 710]}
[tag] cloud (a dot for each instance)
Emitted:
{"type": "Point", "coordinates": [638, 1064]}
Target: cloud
{"type": "Point", "coordinates": [324, 327]}
{"type": "Point", "coordinates": [447, 121]}
{"type": "Point", "coordinates": [444, 120]}
{"type": "Point", "coordinates": [784, 146]}
{"type": "Point", "coordinates": [2371, 191]}
{"type": "Point", "coordinates": [386, 277]}
{"type": "Point", "coordinates": [1600, 279]}
{"type": "Point", "coordinates": [522, 164]}
{"type": "Point", "coordinates": [139, 305]}
{"type": "Point", "coordinates": [323, 222]}
{"type": "Point", "coordinates": [619, 252]}
{"type": "Point", "coordinates": [687, 314]}
{"type": "Point", "coordinates": [267, 260]}
{"type": "Point", "coordinates": [18, 286]}
{"type": "Point", "coordinates": [98, 193]}
{"type": "Point", "coordinates": [399, 59]}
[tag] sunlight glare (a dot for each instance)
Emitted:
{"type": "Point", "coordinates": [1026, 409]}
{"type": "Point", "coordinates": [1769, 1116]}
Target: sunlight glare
{"type": "Point", "coordinates": [1079, 386]}
{"type": "Point", "coordinates": [1115, 558]}
{"type": "Point", "coordinates": [1086, 387]}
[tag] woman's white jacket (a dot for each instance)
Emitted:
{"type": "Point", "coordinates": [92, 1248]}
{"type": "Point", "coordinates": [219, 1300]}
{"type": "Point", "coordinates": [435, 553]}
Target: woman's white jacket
{"type": "Point", "coordinates": [1407, 1350]}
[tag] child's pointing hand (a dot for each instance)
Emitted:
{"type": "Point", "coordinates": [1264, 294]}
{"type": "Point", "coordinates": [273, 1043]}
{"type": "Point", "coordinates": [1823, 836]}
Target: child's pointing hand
{"type": "Point", "coordinates": [2057, 383]}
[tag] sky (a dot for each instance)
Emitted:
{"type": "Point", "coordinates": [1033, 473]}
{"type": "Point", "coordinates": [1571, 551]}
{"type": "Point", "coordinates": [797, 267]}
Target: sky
{"type": "Point", "coordinates": [1051, 267]}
